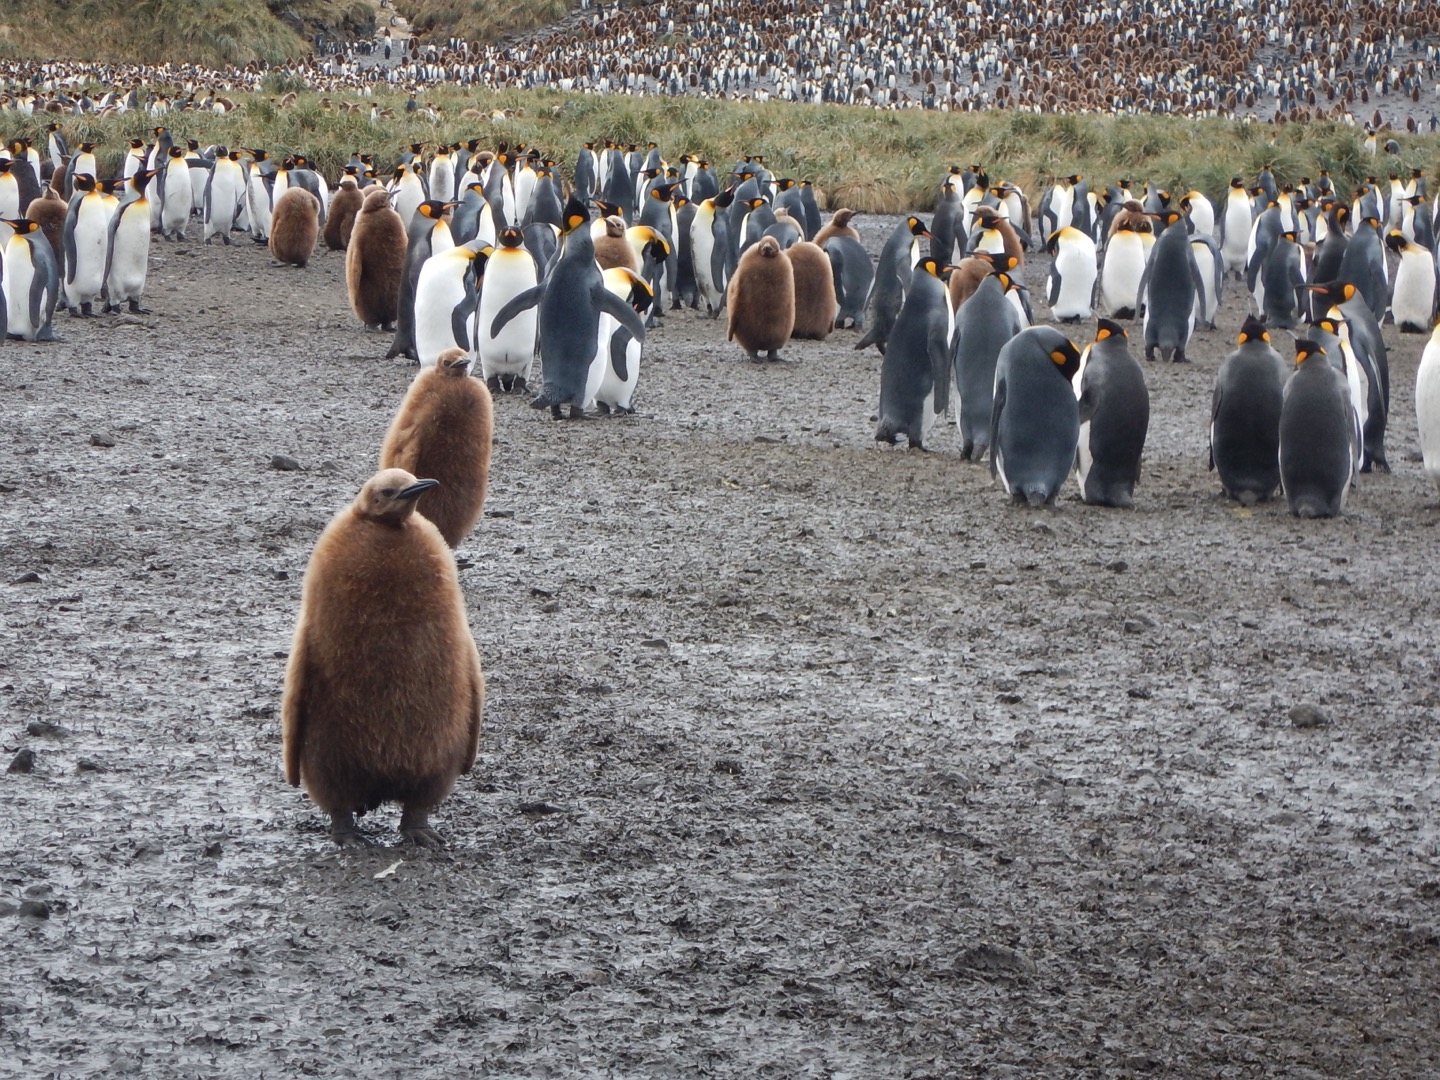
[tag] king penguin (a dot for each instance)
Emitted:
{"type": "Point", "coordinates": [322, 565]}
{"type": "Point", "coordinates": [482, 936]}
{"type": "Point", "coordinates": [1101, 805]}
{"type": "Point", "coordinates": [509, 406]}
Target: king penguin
{"type": "Point", "coordinates": [1245, 417]}
{"type": "Point", "coordinates": [570, 299]}
{"type": "Point", "coordinates": [1114, 409]}
{"type": "Point", "coordinates": [984, 324]}
{"type": "Point", "coordinates": [1073, 270]}
{"type": "Point", "coordinates": [1317, 436]}
{"type": "Point", "coordinates": [383, 688]}
{"type": "Point", "coordinates": [427, 234]}
{"type": "Point", "coordinates": [84, 238]}
{"type": "Point", "coordinates": [1412, 296]}
{"type": "Point", "coordinates": [1168, 290]}
{"type": "Point", "coordinates": [127, 251]}
{"type": "Point", "coordinates": [32, 282]}
{"type": "Point", "coordinates": [505, 358]}
{"type": "Point", "coordinates": [915, 371]}
{"type": "Point", "coordinates": [1035, 420]}
{"type": "Point", "coordinates": [1427, 406]}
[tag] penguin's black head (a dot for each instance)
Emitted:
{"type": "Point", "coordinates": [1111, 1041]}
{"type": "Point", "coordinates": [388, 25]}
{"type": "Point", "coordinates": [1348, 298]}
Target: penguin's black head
{"type": "Point", "coordinates": [1066, 358]}
{"type": "Point", "coordinates": [137, 144]}
{"type": "Point", "coordinates": [511, 237]}
{"type": "Point", "coordinates": [1396, 241]}
{"type": "Point", "coordinates": [606, 209]}
{"type": "Point", "coordinates": [724, 199]}
{"type": "Point", "coordinates": [917, 227]}
{"type": "Point", "coordinates": [929, 265]}
{"type": "Point", "coordinates": [756, 203]}
{"type": "Point", "coordinates": [1237, 182]}
{"type": "Point", "coordinates": [1305, 349]}
{"type": "Point", "coordinates": [434, 209]}
{"type": "Point", "coordinates": [1253, 330]}
{"type": "Point", "coordinates": [1108, 328]}
{"type": "Point", "coordinates": [22, 226]}
{"type": "Point", "coordinates": [576, 215]}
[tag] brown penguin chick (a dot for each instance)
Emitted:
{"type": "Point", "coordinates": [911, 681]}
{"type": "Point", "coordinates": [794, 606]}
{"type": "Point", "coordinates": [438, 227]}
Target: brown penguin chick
{"type": "Point", "coordinates": [294, 227]}
{"type": "Point", "coordinates": [986, 218]}
{"type": "Point", "coordinates": [838, 225]}
{"type": "Point", "coordinates": [49, 210]}
{"type": "Point", "coordinates": [614, 248]}
{"type": "Point", "coordinates": [761, 300]}
{"type": "Point", "coordinates": [340, 221]}
{"type": "Point", "coordinates": [1131, 218]}
{"type": "Point", "coordinates": [383, 690]}
{"type": "Point", "coordinates": [443, 430]}
{"type": "Point", "coordinates": [815, 306]}
{"type": "Point", "coordinates": [375, 261]}
{"type": "Point", "coordinates": [966, 278]}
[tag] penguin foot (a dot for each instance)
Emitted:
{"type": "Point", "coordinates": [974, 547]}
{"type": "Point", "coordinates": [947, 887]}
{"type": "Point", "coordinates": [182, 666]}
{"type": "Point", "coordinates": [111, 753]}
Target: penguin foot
{"type": "Point", "coordinates": [773, 355]}
{"type": "Point", "coordinates": [415, 828]}
{"type": "Point", "coordinates": [493, 384]}
{"type": "Point", "coordinates": [519, 384]}
{"type": "Point", "coordinates": [136, 309]}
{"type": "Point", "coordinates": [1150, 354]}
{"type": "Point", "coordinates": [603, 408]}
{"type": "Point", "coordinates": [577, 412]}
{"type": "Point", "coordinates": [260, 239]}
{"type": "Point", "coordinates": [344, 831]}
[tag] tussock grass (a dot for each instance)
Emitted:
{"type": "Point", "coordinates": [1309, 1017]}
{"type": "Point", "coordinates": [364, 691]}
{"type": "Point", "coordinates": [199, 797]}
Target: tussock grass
{"type": "Point", "coordinates": [876, 161]}
{"type": "Point", "coordinates": [483, 21]}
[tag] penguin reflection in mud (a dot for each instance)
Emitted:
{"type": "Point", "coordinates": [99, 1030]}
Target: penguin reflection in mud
{"type": "Point", "coordinates": [383, 688]}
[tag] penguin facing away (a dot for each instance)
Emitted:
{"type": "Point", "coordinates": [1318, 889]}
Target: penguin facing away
{"type": "Point", "coordinates": [1317, 436]}
{"type": "Point", "coordinates": [375, 261]}
{"type": "Point", "coordinates": [984, 324]}
{"type": "Point", "coordinates": [1035, 419]}
{"type": "Point", "coordinates": [1245, 417]}
{"type": "Point", "coordinates": [915, 370]}
{"type": "Point", "coordinates": [815, 304]}
{"type": "Point", "coordinates": [1168, 290]}
{"type": "Point", "coordinates": [443, 429]}
{"type": "Point", "coordinates": [295, 227]}
{"type": "Point", "coordinates": [1114, 407]}
{"type": "Point", "coordinates": [760, 301]}
{"type": "Point", "coordinates": [127, 253]}
{"type": "Point", "coordinates": [383, 688]}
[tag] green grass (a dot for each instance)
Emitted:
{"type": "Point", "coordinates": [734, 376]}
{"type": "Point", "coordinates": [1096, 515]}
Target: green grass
{"type": "Point", "coordinates": [210, 32]}
{"type": "Point", "coordinates": [865, 159]}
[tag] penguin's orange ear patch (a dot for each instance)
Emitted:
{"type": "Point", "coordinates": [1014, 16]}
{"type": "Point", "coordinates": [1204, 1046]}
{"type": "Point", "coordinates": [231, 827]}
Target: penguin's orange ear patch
{"type": "Point", "coordinates": [1014, 262]}
{"type": "Point", "coordinates": [574, 221]}
{"type": "Point", "coordinates": [1059, 357]}
{"type": "Point", "coordinates": [1100, 335]}
{"type": "Point", "coordinates": [1265, 337]}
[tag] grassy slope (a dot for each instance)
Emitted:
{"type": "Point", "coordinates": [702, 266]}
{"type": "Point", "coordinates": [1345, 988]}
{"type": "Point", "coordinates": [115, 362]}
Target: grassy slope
{"type": "Point", "coordinates": [868, 160]}
{"type": "Point", "coordinates": [483, 21]}
{"type": "Point", "coordinates": [210, 32]}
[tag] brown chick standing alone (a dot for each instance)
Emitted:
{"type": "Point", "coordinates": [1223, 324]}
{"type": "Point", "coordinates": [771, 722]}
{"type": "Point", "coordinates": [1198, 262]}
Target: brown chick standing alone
{"type": "Point", "coordinates": [444, 430]}
{"type": "Point", "coordinates": [383, 691]}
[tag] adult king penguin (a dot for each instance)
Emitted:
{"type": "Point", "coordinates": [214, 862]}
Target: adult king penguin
{"type": "Point", "coordinates": [1317, 436]}
{"type": "Point", "coordinates": [1035, 420]}
{"type": "Point", "coordinates": [1427, 406]}
{"type": "Point", "coordinates": [1245, 417]}
{"type": "Point", "coordinates": [505, 358]}
{"type": "Point", "coordinates": [1114, 417]}
{"type": "Point", "coordinates": [915, 370]}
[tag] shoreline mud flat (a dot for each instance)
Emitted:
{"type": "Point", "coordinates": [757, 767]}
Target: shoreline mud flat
{"type": "Point", "coordinates": [803, 757]}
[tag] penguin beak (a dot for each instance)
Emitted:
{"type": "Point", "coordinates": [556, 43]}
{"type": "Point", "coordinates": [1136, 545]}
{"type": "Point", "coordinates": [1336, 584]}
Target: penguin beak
{"type": "Point", "coordinates": [415, 490]}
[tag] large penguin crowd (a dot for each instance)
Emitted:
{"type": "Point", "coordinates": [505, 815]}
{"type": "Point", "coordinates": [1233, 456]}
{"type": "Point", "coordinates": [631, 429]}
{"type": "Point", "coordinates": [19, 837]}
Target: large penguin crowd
{"type": "Point", "coordinates": [489, 256]}
{"type": "Point", "coordinates": [1288, 62]}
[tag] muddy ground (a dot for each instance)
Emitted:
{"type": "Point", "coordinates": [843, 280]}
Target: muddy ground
{"type": "Point", "coordinates": [802, 757]}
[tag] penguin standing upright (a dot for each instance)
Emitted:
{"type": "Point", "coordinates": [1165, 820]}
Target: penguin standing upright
{"type": "Point", "coordinates": [915, 371]}
{"type": "Point", "coordinates": [32, 282]}
{"type": "Point", "coordinates": [1412, 296]}
{"type": "Point", "coordinates": [344, 207]}
{"type": "Point", "coordinates": [616, 369]}
{"type": "Point", "coordinates": [571, 299]}
{"type": "Point", "coordinates": [1427, 406]}
{"type": "Point", "coordinates": [1245, 417]}
{"type": "Point", "coordinates": [375, 261]}
{"type": "Point", "coordinates": [1317, 436]}
{"type": "Point", "coordinates": [427, 234]}
{"type": "Point", "coordinates": [1114, 417]}
{"type": "Point", "coordinates": [1168, 291]}
{"type": "Point", "coordinates": [1235, 226]}
{"type": "Point", "coordinates": [1373, 357]}
{"type": "Point", "coordinates": [127, 252]}
{"type": "Point", "coordinates": [707, 252]}
{"type": "Point", "coordinates": [84, 238]}
{"type": "Point", "coordinates": [505, 358]}
{"type": "Point", "coordinates": [176, 195]}
{"type": "Point", "coordinates": [295, 227]}
{"type": "Point", "coordinates": [224, 195]}
{"type": "Point", "coordinates": [49, 210]}
{"type": "Point", "coordinates": [899, 254]}
{"type": "Point", "coordinates": [1124, 269]}
{"type": "Point", "coordinates": [383, 689]}
{"type": "Point", "coordinates": [257, 198]}
{"type": "Point", "coordinates": [408, 192]}
{"type": "Point", "coordinates": [443, 430]}
{"type": "Point", "coordinates": [1073, 270]}
{"type": "Point", "coordinates": [1283, 276]}
{"type": "Point", "coordinates": [815, 306]}
{"type": "Point", "coordinates": [446, 296]}
{"type": "Point", "coordinates": [1035, 420]}
{"type": "Point", "coordinates": [760, 301]}
{"type": "Point", "coordinates": [984, 324]}
{"type": "Point", "coordinates": [1364, 266]}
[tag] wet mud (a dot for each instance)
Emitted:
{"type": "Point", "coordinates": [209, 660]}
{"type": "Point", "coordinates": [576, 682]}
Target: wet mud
{"type": "Point", "coordinates": [803, 757]}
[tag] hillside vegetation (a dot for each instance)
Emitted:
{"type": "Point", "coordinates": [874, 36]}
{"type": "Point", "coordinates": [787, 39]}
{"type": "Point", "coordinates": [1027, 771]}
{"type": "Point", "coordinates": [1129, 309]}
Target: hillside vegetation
{"type": "Point", "coordinates": [858, 157]}
{"type": "Point", "coordinates": [209, 32]}
{"type": "Point", "coordinates": [483, 21]}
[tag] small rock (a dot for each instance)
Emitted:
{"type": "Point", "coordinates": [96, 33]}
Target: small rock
{"type": "Point", "coordinates": [285, 464]}
{"type": "Point", "coordinates": [997, 959]}
{"type": "Point", "coordinates": [281, 575]}
{"type": "Point", "coordinates": [101, 440]}
{"type": "Point", "coordinates": [328, 466]}
{"type": "Point", "coordinates": [541, 809]}
{"type": "Point", "coordinates": [31, 578]}
{"type": "Point", "coordinates": [1009, 698]}
{"type": "Point", "coordinates": [213, 850]}
{"type": "Point", "coordinates": [86, 765]}
{"type": "Point", "coordinates": [22, 763]}
{"type": "Point", "coordinates": [1306, 717]}
{"type": "Point", "coordinates": [766, 439]}
{"type": "Point", "coordinates": [1119, 566]}
{"type": "Point", "coordinates": [655, 643]}
{"type": "Point", "coordinates": [500, 513]}
{"type": "Point", "coordinates": [1133, 626]}
{"type": "Point", "coordinates": [1140, 693]}
{"type": "Point", "coordinates": [35, 909]}
{"type": "Point", "coordinates": [1042, 527]}
{"type": "Point", "coordinates": [728, 766]}
{"type": "Point", "coordinates": [46, 729]}
{"type": "Point", "coordinates": [550, 608]}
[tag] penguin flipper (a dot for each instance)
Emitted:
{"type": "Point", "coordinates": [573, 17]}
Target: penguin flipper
{"type": "Point", "coordinates": [1054, 286]}
{"type": "Point", "coordinates": [940, 366]}
{"type": "Point", "coordinates": [1001, 386]}
{"type": "Point", "coordinates": [616, 308]}
{"type": "Point", "coordinates": [67, 241]}
{"type": "Point", "coordinates": [619, 347]}
{"type": "Point", "coordinates": [38, 284]}
{"type": "Point", "coordinates": [110, 232]}
{"type": "Point", "coordinates": [1086, 404]}
{"type": "Point", "coordinates": [522, 301]}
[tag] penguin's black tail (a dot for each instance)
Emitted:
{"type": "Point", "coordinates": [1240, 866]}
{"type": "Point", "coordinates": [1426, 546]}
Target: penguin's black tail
{"type": "Point", "coordinates": [887, 431]}
{"type": "Point", "coordinates": [872, 337]}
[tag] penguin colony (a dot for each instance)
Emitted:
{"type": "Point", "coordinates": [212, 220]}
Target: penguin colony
{"type": "Point", "coordinates": [389, 710]}
{"type": "Point", "coordinates": [1282, 63]}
